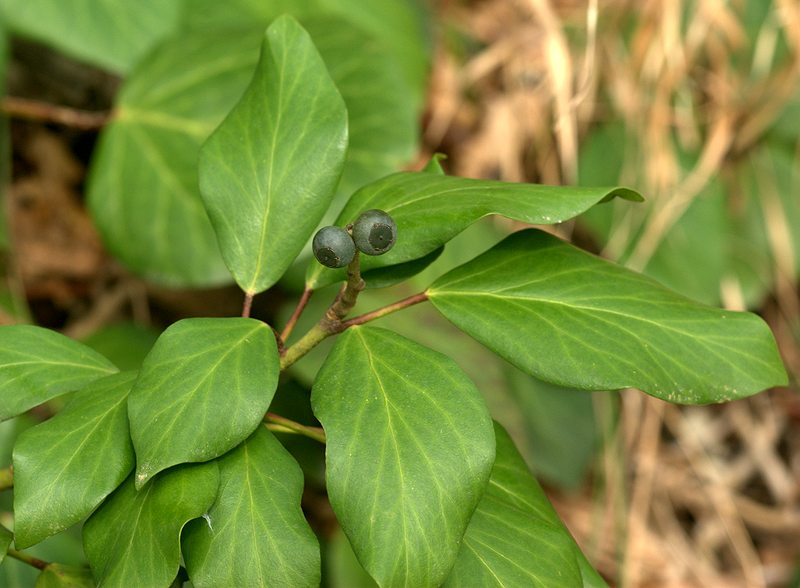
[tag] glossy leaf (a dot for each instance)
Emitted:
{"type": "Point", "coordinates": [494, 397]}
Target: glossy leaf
{"type": "Point", "coordinates": [269, 171]}
{"type": "Point", "coordinates": [58, 575]}
{"type": "Point", "coordinates": [255, 534]}
{"type": "Point", "coordinates": [515, 538]}
{"type": "Point", "coordinates": [38, 364]}
{"type": "Point", "coordinates": [409, 450]}
{"type": "Point", "coordinates": [583, 322]}
{"type": "Point", "coordinates": [431, 209]}
{"type": "Point", "coordinates": [202, 390]}
{"type": "Point", "coordinates": [107, 33]}
{"type": "Point", "coordinates": [142, 189]}
{"type": "Point", "coordinates": [66, 466]}
{"type": "Point", "coordinates": [133, 539]}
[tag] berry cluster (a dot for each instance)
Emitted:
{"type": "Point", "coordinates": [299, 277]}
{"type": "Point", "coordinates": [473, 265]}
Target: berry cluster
{"type": "Point", "coordinates": [373, 233]}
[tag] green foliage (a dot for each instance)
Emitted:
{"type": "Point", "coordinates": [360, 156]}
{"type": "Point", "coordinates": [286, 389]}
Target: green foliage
{"type": "Point", "coordinates": [515, 538]}
{"type": "Point", "coordinates": [66, 466]}
{"type": "Point", "coordinates": [221, 375]}
{"type": "Point", "coordinates": [133, 539]}
{"type": "Point", "coordinates": [426, 490]}
{"type": "Point", "coordinates": [583, 322]}
{"type": "Point", "coordinates": [265, 201]}
{"type": "Point", "coordinates": [38, 364]}
{"type": "Point", "coordinates": [259, 496]}
{"type": "Point", "coordinates": [430, 209]}
{"type": "Point", "coordinates": [403, 424]}
{"type": "Point", "coordinates": [105, 33]}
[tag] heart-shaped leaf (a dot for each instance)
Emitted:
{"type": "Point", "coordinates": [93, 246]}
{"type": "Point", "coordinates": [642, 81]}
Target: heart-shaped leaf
{"type": "Point", "coordinates": [255, 534]}
{"type": "Point", "coordinates": [583, 322]}
{"type": "Point", "coordinates": [202, 390]}
{"type": "Point", "coordinates": [133, 539]}
{"type": "Point", "coordinates": [142, 189]}
{"type": "Point", "coordinates": [515, 538]}
{"type": "Point", "coordinates": [38, 364]}
{"type": "Point", "coordinates": [430, 209]}
{"type": "Point", "coordinates": [409, 450]}
{"type": "Point", "coordinates": [269, 172]}
{"type": "Point", "coordinates": [66, 466]}
{"type": "Point", "coordinates": [112, 35]}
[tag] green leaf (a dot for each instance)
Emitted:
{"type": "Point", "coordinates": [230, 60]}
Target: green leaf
{"type": "Point", "coordinates": [515, 538]}
{"type": "Point", "coordinates": [66, 466]}
{"type": "Point", "coordinates": [269, 172]}
{"type": "Point", "coordinates": [38, 364]}
{"type": "Point", "coordinates": [6, 537]}
{"type": "Point", "coordinates": [583, 322]}
{"type": "Point", "coordinates": [133, 539]}
{"type": "Point", "coordinates": [58, 575]}
{"type": "Point", "coordinates": [202, 390]}
{"type": "Point", "coordinates": [431, 209]}
{"type": "Point", "coordinates": [255, 534]}
{"type": "Point", "coordinates": [383, 277]}
{"type": "Point", "coordinates": [142, 190]}
{"type": "Point", "coordinates": [107, 33]}
{"type": "Point", "coordinates": [409, 450]}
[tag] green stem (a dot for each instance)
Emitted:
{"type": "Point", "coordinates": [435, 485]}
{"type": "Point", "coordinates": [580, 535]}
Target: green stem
{"type": "Point", "coordinates": [277, 423]}
{"type": "Point", "coordinates": [28, 559]}
{"type": "Point", "coordinates": [330, 323]}
{"type": "Point", "coordinates": [7, 478]}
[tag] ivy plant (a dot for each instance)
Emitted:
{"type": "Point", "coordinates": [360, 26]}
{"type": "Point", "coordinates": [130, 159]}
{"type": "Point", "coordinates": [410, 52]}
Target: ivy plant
{"type": "Point", "coordinates": [176, 468]}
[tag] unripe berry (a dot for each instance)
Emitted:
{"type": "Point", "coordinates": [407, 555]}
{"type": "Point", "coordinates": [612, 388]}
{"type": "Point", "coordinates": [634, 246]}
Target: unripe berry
{"type": "Point", "coordinates": [333, 247]}
{"type": "Point", "coordinates": [374, 232]}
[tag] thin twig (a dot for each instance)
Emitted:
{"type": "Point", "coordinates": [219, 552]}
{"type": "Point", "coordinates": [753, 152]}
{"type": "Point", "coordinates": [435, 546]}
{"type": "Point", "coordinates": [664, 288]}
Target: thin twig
{"type": "Point", "coordinates": [329, 324]}
{"type": "Point", "coordinates": [52, 113]}
{"type": "Point", "coordinates": [280, 424]}
{"type": "Point", "coordinates": [301, 306]}
{"type": "Point", "coordinates": [383, 311]}
{"type": "Point", "coordinates": [28, 559]}
{"type": "Point", "coordinates": [247, 305]}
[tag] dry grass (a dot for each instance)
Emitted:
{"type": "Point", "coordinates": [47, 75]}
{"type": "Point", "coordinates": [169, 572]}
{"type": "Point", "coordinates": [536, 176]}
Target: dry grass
{"type": "Point", "coordinates": [700, 496]}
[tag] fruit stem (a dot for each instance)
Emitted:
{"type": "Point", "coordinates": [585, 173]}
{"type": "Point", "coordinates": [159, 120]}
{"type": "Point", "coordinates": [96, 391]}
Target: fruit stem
{"type": "Point", "coordinates": [28, 559]}
{"type": "Point", "coordinates": [280, 424]}
{"type": "Point", "coordinates": [331, 322]}
{"type": "Point", "coordinates": [301, 306]}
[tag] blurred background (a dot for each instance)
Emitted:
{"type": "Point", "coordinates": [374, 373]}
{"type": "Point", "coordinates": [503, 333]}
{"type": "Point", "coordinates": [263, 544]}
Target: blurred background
{"type": "Point", "coordinates": [693, 103]}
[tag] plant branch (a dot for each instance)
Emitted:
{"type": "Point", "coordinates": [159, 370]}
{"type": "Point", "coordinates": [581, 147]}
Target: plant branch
{"type": "Point", "coordinates": [28, 559]}
{"type": "Point", "coordinates": [301, 306]}
{"type": "Point", "coordinates": [7, 478]}
{"type": "Point", "coordinates": [51, 113]}
{"type": "Point", "coordinates": [247, 304]}
{"type": "Point", "coordinates": [383, 311]}
{"type": "Point", "coordinates": [279, 424]}
{"type": "Point", "coordinates": [329, 324]}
